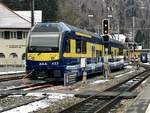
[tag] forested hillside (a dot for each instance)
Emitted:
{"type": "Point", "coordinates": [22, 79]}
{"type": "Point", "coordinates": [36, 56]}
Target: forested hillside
{"type": "Point", "coordinates": [75, 12]}
{"type": "Point", "coordinates": [48, 7]}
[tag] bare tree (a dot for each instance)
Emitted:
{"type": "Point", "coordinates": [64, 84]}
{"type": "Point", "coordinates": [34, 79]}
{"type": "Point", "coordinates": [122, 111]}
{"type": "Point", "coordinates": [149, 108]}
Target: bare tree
{"type": "Point", "coordinates": [76, 13]}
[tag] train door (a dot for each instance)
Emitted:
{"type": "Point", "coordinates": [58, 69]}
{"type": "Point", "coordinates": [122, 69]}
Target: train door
{"type": "Point", "coordinates": [93, 53]}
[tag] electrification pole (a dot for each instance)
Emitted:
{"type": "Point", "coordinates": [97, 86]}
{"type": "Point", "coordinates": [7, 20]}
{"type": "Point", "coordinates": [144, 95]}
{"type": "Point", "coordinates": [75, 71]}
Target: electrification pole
{"type": "Point", "coordinates": [133, 37]}
{"type": "Point", "coordinates": [32, 13]}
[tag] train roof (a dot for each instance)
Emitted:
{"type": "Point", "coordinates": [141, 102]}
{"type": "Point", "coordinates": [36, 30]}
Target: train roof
{"type": "Point", "coordinates": [50, 27]}
{"type": "Point", "coordinates": [60, 27]}
{"type": "Point", "coordinates": [115, 43]}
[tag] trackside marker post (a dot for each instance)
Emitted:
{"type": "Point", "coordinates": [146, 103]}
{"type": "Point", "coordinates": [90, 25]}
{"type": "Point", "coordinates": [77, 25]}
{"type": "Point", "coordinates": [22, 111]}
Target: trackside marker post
{"type": "Point", "coordinates": [105, 31]}
{"type": "Point", "coordinates": [83, 66]}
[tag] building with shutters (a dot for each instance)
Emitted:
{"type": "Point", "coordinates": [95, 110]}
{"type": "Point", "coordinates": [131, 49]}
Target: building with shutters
{"type": "Point", "coordinates": [13, 33]}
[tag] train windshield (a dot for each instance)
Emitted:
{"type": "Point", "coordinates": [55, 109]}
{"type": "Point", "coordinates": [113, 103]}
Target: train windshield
{"type": "Point", "coordinates": [44, 42]}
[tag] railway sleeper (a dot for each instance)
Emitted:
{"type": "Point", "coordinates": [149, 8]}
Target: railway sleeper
{"type": "Point", "coordinates": [107, 94]}
{"type": "Point", "coordinates": [12, 92]}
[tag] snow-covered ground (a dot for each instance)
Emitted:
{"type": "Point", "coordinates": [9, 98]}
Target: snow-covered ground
{"type": "Point", "coordinates": [51, 97]}
{"type": "Point", "coordinates": [128, 67]}
{"type": "Point", "coordinates": [124, 74]}
{"type": "Point", "coordinates": [11, 72]}
{"type": "Point", "coordinates": [102, 81]}
{"type": "Point", "coordinates": [99, 81]}
{"type": "Point", "coordinates": [29, 107]}
{"type": "Point", "coordinates": [147, 63]}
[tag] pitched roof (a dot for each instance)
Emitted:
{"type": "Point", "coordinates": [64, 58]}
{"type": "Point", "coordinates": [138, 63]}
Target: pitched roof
{"type": "Point", "coordinates": [27, 15]}
{"type": "Point", "coordinates": [9, 19]}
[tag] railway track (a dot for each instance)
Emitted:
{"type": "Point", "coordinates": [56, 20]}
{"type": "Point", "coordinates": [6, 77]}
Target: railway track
{"type": "Point", "coordinates": [10, 78]}
{"type": "Point", "coordinates": [26, 103]}
{"type": "Point", "coordinates": [103, 104]}
{"type": "Point", "coordinates": [22, 90]}
{"type": "Point", "coordinates": [4, 78]}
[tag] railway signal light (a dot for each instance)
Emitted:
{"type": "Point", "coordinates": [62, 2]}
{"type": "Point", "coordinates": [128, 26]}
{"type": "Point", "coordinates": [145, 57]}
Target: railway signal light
{"type": "Point", "coordinates": [105, 25]}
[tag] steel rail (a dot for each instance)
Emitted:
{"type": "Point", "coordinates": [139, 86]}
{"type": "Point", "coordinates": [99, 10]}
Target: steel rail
{"type": "Point", "coordinates": [26, 103]}
{"type": "Point", "coordinates": [9, 77]}
{"type": "Point", "coordinates": [23, 90]}
{"type": "Point", "coordinates": [117, 99]}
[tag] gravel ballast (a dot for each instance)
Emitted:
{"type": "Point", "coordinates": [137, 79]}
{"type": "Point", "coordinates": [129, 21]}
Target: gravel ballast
{"type": "Point", "coordinates": [55, 107]}
{"type": "Point", "coordinates": [60, 105]}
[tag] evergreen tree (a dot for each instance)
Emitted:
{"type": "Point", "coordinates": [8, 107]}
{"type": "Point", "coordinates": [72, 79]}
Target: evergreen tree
{"type": "Point", "coordinates": [139, 36]}
{"type": "Point", "coordinates": [48, 7]}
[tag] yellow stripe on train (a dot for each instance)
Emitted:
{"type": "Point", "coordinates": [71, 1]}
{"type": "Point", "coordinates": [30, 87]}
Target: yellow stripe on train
{"type": "Point", "coordinates": [82, 34]}
{"type": "Point", "coordinates": [43, 56]}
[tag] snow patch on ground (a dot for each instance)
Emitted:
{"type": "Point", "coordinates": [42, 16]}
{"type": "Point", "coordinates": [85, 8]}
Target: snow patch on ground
{"type": "Point", "coordinates": [51, 97]}
{"type": "Point", "coordinates": [59, 96]}
{"type": "Point", "coordinates": [128, 67]}
{"type": "Point", "coordinates": [147, 63]}
{"type": "Point", "coordinates": [30, 107]}
{"type": "Point", "coordinates": [124, 74]}
{"type": "Point", "coordinates": [99, 81]}
{"type": "Point", "coordinates": [11, 72]}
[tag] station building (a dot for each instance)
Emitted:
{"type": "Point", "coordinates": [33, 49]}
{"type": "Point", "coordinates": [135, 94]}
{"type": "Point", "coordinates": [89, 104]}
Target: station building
{"type": "Point", "coordinates": [14, 29]}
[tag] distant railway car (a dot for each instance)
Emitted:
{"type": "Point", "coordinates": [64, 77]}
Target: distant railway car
{"type": "Point", "coordinates": [142, 54]}
{"type": "Point", "coordinates": [55, 49]}
{"type": "Point", "coordinates": [144, 57]}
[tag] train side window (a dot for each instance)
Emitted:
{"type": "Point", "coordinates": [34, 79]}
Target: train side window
{"type": "Point", "coordinates": [83, 46]}
{"type": "Point", "coordinates": [112, 53]}
{"type": "Point", "coordinates": [109, 50]}
{"type": "Point", "coordinates": [100, 53]}
{"type": "Point", "coordinates": [120, 51]}
{"type": "Point", "coordinates": [78, 46]}
{"type": "Point", "coordinates": [115, 53]}
{"type": "Point", "coordinates": [67, 46]}
{"type": "Point", "coordinates": [97, 53]}
{"type": "Point", "coordinates": [93, 51]}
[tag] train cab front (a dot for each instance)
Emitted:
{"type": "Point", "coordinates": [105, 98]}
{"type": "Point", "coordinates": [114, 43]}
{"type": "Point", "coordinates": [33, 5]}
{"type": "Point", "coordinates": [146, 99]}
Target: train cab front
{"type": "Point", "coordinates": [43, 56]}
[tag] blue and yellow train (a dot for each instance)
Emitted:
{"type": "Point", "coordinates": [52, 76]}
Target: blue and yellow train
{"type": "Point", "coordinates": [55, 49]}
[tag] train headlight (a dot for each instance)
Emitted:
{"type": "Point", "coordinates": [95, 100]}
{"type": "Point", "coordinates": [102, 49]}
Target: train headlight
{"type": "Point", "coordinates": [31, 58]}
